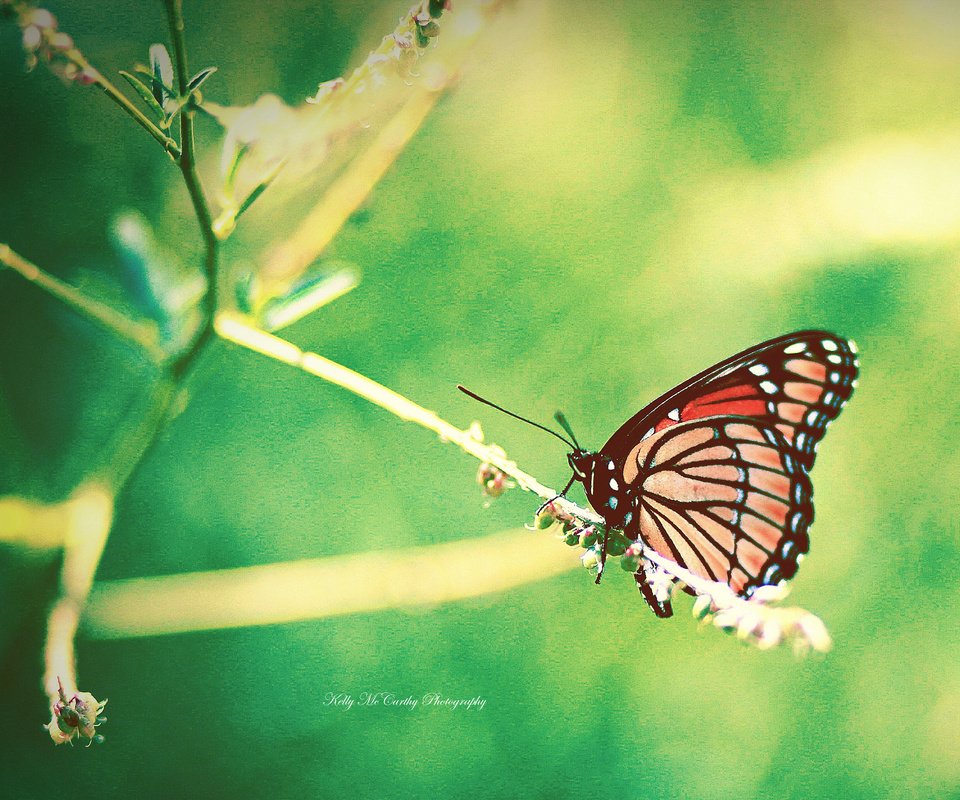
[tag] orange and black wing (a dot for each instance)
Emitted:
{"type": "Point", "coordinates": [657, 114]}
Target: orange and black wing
{"type": "Point", "coordinates": [725, 497]}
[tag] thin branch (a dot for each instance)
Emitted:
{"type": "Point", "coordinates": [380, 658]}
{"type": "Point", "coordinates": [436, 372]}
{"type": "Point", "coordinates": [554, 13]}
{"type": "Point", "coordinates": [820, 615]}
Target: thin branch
{"type": "Point", "coordinates": [84, 540]}
{"type": "Point", "coordinates": [88, 522]}
{"type": "Point", "coordinates": [36, 525]}
{"type": "Point", "coordinates": [80, 564]}
{"type": "Point", "coordinates": [273, 594]}
{"type": "Point", "coordinates": [131, 447]}
{"type": "Point", "coordinates": [235, 329]}
{"type": "Point", "coordinates": [188, 167]}
{"type": "Point", "coordinates": [138, 333]}
{"type": "Point", "coordinates": [86, 537]}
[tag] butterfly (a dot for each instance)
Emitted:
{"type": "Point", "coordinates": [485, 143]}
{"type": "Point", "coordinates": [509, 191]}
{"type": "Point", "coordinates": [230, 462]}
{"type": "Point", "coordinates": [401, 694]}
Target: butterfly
{"type": "Point", "coordinates": [714, 474]}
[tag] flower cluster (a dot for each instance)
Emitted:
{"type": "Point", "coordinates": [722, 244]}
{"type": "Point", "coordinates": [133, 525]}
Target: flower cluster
{"type": "Point", "coordinates": [755, 620]}
{"type": "Point", "coordinates": [401, 49]}
{"type": "Point", "coordinates": [42, 40]}
{"type": "Point", "coordinates": [578, 533]}
{"type": "Point", "coordinates": [76, 718]}
{"type": "Point", "coordinates": [493, 480]}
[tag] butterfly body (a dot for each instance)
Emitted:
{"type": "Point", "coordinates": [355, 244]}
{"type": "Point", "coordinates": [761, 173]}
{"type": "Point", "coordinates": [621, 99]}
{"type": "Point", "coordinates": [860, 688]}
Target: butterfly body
{"type": "Point", "coordinates": [602, 482]}
{"type": "Point", "coordinates": [714, 473]}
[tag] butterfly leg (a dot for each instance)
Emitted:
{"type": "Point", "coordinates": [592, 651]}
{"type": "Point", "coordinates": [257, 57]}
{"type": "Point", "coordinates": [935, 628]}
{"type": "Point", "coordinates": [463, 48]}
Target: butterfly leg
{"type": "Point", "coordinates": [603, 555]}
{"type": "Point", "coordinates": [662, 608]}
{"type": "Point", "coordinates": [558, 496]}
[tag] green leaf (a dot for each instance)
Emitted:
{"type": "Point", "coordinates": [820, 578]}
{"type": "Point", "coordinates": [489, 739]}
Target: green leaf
{"type": "Point", "coordinates": [239, 151]}
{"type": "Point", "coordinates": [168, 290]}
{"type": "Point", "coordinates": [158, 88]}
{"type": "Point", "coordinates": [307, 296]}
{"type": "Point", "coordinates": [244, 291]}
{"type": "Point", "coordinates": [252, 197]}
{"type": "Point", "coordinates": [145, 71]}
{"type": "Point", "coordinates": [145, 94]}
{"type": "Point", "coordinates": [172, 108]}
{"type": "Point", "coordinates": [161, 67]}
{"type": "Point", "coordinates": [200, 78]}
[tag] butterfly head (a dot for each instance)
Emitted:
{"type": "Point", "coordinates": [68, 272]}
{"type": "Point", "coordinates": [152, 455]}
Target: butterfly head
{"type": "Point", "coordinates": [582, 462]}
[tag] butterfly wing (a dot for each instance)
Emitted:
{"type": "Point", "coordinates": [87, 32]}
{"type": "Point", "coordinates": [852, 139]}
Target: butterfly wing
{"type": "Point", "coordinates": [796, 383]}
{"type": "Point", "coordinates": [725, 497]}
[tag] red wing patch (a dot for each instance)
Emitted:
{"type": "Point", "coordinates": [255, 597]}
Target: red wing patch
{"type": "Point", "coordinates": [797, 383]}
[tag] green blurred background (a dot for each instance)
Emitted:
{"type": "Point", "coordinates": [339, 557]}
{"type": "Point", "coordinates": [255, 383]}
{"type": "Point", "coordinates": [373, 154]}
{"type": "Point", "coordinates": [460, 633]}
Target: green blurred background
{"type": "Point", "coordinates": [613, 197]}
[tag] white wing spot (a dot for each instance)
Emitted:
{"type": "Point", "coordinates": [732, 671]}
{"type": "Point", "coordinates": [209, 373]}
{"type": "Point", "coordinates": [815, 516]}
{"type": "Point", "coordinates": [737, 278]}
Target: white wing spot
{"type": "Point", "coordinates": [613, 484]}
{"type": "Point", "coordinates": [812, 418]}
{"type": "Point", "coordinates": [829, 344]}
{"type": "Point", "coordinates": [853, 346]}
{"type": "Point", "coordinates": [674, 415]}
{"type": "Point", "coordinates": [854, 383]}
{"type": "Point", "coordinates": [828, 398]}
{"type": "Point", "coordinates": [834, 377]}
{"type": "Point", "coordinates": [609, 465]}
{"type": "Point", "coordinates": [801, 440]}
{"type": "Point", "coordinates": [769, 387]}
{"type": "Point", "coordinates": [833, 358]}
{"type": "Point", "coordinates": [759, 369]}
{"type": "Point", "coordinates": [647, 435]}
{"type": "Point", "coordinates": [796, 347]}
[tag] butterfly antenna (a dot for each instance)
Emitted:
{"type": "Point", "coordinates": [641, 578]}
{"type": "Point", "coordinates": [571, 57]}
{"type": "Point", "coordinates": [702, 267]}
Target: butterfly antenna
{"type": "Point", "coordinates": [562, 422]}
{"type": "Point", "coordinates": [517, 416]}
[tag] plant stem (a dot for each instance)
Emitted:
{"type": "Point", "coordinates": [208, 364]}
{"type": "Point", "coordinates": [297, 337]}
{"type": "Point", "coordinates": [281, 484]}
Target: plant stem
{"type": "Point", "coordinates": [138, 333]}
{"type": "Point", "coordinates": [89, 522]}
{"type": "Point", "coordinates": [133, 446]}
{"type": "Point", "coordinates": [84, 539]}
{"type": "Point", "coordinates": [188, 167]}
{"type": "Point", "coordinates": [237, 330]}
{"type": "Point", "coordinates": [290, 259]}
{"type": "Point", "coordinates": [318, 588]}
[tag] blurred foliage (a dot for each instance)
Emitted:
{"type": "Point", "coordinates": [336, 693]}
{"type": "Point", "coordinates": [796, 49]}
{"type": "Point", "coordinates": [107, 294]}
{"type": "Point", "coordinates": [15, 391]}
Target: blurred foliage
{"type": "Point", "coordinates": [613, 197]}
